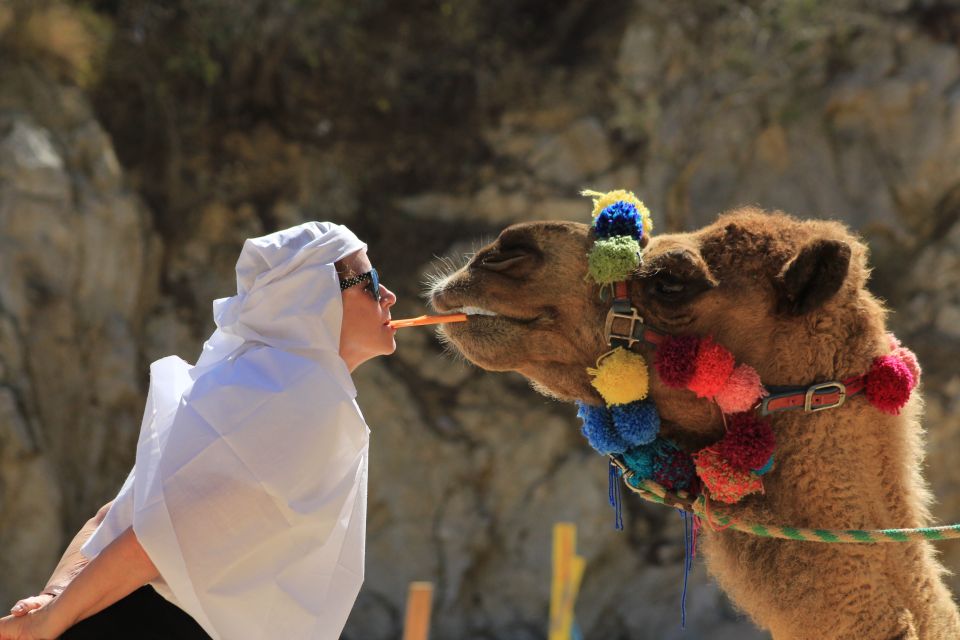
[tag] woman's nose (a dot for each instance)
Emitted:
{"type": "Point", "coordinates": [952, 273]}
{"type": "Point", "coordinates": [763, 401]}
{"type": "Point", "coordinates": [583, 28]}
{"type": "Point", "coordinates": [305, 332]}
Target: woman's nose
{"type": "Point", "coordinates": [387, 296]}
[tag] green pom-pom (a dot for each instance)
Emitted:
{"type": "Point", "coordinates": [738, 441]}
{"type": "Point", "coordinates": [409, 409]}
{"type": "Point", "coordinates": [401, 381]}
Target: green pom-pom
{"type": "Point", "coordinates": [613, 259]}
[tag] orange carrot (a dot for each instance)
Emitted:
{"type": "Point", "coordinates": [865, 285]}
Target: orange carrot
{"type": "Point", "coordinates": [422, 320]}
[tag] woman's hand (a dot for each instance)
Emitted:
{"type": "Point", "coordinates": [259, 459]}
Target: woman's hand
{"type": "Point", "coordinates": [36, 625]}
{"type": "Point", "coordinates": [25, 606]}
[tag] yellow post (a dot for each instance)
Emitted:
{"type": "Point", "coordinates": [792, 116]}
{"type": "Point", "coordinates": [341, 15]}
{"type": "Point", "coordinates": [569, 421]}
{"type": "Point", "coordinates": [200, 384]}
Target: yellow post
{"type": "Point", "coordinates": [567, 574]}
{"type": "Point", "coordinates": [419, 600]}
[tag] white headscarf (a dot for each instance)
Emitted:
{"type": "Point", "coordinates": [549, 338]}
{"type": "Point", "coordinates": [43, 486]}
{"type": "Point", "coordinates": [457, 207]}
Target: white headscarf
{"type": "Point", "coordinates": [250, 483]}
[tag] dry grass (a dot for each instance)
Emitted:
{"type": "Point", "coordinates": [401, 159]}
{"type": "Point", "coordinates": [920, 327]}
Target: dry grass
{"type": "Point", "coordinates": [69, 41]}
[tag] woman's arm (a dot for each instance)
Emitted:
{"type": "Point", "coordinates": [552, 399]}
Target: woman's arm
{"type": "Point", "coordinates": [120, 569]}
{"type": "Point", "coordinates": [70, 565]}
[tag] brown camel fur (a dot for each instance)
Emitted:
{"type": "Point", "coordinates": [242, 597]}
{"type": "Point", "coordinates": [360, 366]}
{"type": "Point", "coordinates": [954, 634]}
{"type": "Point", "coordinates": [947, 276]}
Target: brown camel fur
{"type": "Point", "coordinates": [787, 297]}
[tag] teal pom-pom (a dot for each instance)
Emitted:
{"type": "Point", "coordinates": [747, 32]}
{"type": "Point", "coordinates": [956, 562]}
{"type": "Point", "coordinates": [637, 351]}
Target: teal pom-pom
{"type": "Point", "coordinates": [640, 461]}
{"type": "Point", "coordinates": [599, 429]}
{"type": "Point", "coordinates": [662, 461]}
{"type": "Point", "coordinates": [613, 259]}
{"type": "Point", "coordinates": [765, 468]}
{"type": "Point", "coordinates": [636, 422]}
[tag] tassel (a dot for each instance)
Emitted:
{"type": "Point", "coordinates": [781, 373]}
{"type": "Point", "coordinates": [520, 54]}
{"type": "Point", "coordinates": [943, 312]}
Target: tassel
{"type": "Point", "coordinates": [687, 561]}
{"type": "Point", "coordinates": [697, 523]}
{"type": "Point", "coordinates": [616, 498]}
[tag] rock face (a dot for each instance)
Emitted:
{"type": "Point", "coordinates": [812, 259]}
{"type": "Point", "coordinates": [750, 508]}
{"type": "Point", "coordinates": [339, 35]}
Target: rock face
{"type": "Point", "coordinates": [77, 258]}
{"type": "Point", "coordinates": [824, 109]}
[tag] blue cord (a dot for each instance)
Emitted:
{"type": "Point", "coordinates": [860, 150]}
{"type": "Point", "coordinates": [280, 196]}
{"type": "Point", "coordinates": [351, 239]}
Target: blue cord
{"type": "Point", "coordinates": [616, 498]}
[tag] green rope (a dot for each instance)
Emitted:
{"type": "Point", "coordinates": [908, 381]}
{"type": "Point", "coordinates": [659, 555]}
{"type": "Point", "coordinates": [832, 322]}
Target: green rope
{"type": "Point", "coordinates": [653, 492]}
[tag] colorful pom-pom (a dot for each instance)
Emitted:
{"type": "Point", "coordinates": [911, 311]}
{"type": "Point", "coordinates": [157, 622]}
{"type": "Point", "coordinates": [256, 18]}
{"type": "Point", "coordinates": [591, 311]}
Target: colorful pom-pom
{"type": "Point", "coordinates": [636, 423]}
{"type": "Point", "coordinates": [640, 461]}
{"type": "Point", "coordinates": [599, 429]}
{"type": "Point", "coordinates": [613, 259]}
{"type": "Point", "coordinates": [909, 358]}
{"type": "Point", "coordinates": [619, 219]}
{"type": "Point", "coordinates": [714, 365]}
{"type": "Point", "coordinates": [674, 468]}
{"type": "Point", "coordinates": [621, 377]}
{"type": "Point", "coordinates": [889, 383]}
{"type": "Point", "coordinates": [741, 391]}
{"type": "Point", "coordinates": [676, 360]}
{"type": "Point", "coordinates": [603, 200]}
{"type": "Point", "coordinates": [748, 443]}
{"type": "Point", "coordinates": [766, 468]}
{"type": "Point", "coordinates": [724, 482]}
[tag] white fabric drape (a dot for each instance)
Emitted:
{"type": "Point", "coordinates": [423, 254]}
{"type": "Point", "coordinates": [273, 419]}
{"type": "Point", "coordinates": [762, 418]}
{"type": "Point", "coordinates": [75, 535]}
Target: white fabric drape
{"type": "Point", "coordinates": [250, 482]}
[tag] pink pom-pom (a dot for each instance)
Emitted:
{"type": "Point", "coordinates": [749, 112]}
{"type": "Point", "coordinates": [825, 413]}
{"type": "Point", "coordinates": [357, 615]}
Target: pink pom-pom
{"type": "Point", "coordinates": [741, 391]}
{"type": "Point", "coordinates": [889, 383]}
{"type": "Point", "coordinates": [910, 359]}
{"type": "Point", "coordinates": [676, 360]}
{"type": "Point", "coordinates": [748, 443]}
{"type": "Point", "coordinates": [714, 366]}
{"type": "Point", "coordinates": [893, 342]}
{"type": "Point", "coordinates": [724, 482]}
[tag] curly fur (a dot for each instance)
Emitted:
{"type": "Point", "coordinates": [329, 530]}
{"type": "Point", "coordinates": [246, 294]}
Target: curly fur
{"type": "Point", "coordinates": [787, 297]}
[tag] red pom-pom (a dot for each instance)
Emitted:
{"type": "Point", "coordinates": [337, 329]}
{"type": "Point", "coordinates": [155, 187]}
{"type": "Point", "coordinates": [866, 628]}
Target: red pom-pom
{"type": "Point", "coordinates": [749, 442]}
{"type": "Point", "coordinates": [889, 383]}
{"type": "Point", "coordinates": [676, 360]}
{"type": "Point", "coordinates": [713, 368]}
{"type": "Point", "coordinates": [725, 483]}
{"type": "Point", "coordinates": [741, 391]}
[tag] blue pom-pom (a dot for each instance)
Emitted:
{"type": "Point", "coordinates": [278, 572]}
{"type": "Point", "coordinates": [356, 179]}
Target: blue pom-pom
{"type": "Point", "coordinates": [636, 422]}
{"type": "Point", "coordinates": [619, 219]}
{"type": "Point", "coordinates": [599, 430]}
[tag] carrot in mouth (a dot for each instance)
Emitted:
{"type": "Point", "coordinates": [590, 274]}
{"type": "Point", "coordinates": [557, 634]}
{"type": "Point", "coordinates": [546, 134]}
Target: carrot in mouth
{"type": "Point", "coordinates": [422, 320]}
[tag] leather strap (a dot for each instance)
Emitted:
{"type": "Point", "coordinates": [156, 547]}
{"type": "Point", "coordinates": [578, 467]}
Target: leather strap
{"type": "Point", "coordinates": [816, 397]}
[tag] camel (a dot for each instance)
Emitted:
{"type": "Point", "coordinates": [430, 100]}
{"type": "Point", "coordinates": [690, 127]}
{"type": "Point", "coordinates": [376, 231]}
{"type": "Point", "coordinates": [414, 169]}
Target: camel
{"type": "Point", "coordinates": [787, 297]}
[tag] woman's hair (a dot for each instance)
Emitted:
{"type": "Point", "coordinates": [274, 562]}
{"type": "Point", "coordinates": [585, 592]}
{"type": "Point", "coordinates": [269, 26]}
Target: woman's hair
{"type": "Point", "coordinates": [347, 267]}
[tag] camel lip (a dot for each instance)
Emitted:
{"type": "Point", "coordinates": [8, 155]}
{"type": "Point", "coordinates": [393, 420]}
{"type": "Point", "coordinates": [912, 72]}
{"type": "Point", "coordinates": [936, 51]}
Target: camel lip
{"type": "Point", "coordinates": [487, 318]}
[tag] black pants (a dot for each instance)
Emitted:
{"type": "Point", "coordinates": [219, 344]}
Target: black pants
{"type": "Point", "coordinates": [143, 615]}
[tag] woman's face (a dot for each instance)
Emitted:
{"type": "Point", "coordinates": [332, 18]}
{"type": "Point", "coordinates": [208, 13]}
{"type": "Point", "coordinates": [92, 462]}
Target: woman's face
{"type": "Point", "coordinates": [364, 333]}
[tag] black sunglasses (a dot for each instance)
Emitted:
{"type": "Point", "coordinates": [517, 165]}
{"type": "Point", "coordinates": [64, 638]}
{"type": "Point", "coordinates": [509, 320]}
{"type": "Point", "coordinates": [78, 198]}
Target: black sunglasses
{"type": "Point", "coordinates": [372, 276]}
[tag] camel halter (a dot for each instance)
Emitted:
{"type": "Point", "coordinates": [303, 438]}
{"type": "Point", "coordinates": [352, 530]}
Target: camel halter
{"type": "Point", "coordinates": [627, 428]}
{"type": "Point", "coordinates": [812, 398]}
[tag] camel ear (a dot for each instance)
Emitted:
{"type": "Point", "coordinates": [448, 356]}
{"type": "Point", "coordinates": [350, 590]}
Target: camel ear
{"type": "Point", "coordinates": [812, 277]}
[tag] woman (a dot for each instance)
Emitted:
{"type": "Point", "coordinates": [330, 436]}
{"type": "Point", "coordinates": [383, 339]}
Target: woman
{"type": "Point", "coordinates": [246, 507]}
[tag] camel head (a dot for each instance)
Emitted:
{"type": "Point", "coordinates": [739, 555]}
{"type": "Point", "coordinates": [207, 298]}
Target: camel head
{"type": "Point", "coordinates": [530, 308]}
{"type": "Point", "coordinates": [783, 295]}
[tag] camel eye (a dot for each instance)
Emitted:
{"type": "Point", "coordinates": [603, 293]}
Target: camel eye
{"type": "Point", "coordinates": [669, 288]}
{"type": "Point", "coordinates": [672, 290]}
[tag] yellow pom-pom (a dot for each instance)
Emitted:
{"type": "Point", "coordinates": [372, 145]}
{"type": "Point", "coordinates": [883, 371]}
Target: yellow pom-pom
{"type": "Point", "coordinates": [621, 377]}
{"type": "Point", "coordinates": [603, 200]}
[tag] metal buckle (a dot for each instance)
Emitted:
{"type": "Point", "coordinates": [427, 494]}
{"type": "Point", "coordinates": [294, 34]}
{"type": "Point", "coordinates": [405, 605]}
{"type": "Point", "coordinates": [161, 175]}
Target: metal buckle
{"type": "Point", "coordinates": [630, 337]}
{"type": "Point", "coordinates": [808, 399]}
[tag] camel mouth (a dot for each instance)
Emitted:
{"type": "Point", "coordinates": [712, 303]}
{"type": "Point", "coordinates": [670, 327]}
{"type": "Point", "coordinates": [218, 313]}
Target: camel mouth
{"type": "Point", "coordinates": [475, 311]}
{"type": "Point", "coordinates": [481, 316]}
